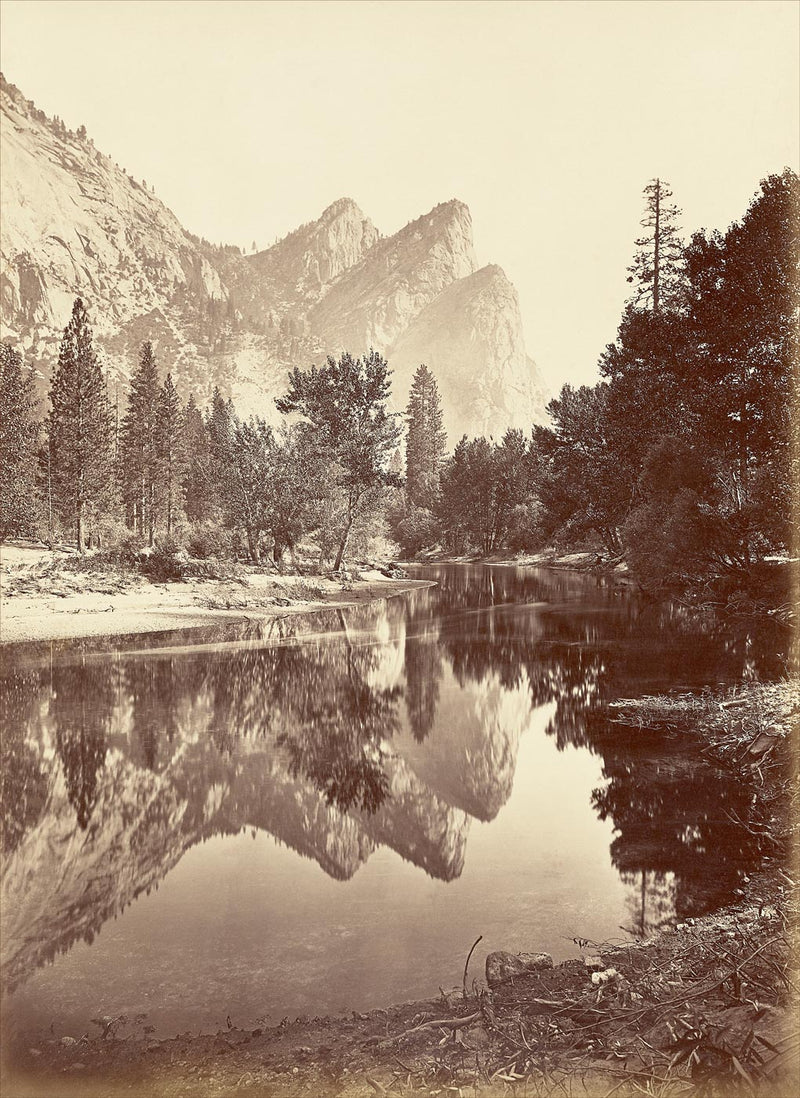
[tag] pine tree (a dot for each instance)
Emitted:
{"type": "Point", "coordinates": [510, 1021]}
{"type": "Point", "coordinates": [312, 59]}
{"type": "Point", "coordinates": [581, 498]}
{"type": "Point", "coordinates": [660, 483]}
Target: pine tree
{"type": "Point", "coordinates": [196, 484]}
{"type": "Point", "coordinates": [219, 426]}
{"type": "Point", "coordinates": [425, 445]}
{"type": "Point", "coordinates": [79, 428]}
{"type": "Point", "coordinates": [171, 451]}
{"type": "Point", "coordinates": [139, 445]}
{"type": "Point", "coordinates": [657, 269]}
{"type": "Point", "coordinates": [19, 433]}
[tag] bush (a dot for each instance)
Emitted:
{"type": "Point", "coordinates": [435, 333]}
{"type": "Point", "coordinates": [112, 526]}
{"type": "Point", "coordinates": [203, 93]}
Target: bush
{"type": "Point", "coordinates": [415, 528]}
{"type": "Point", "coordinates": [207, 540]}
{"type": "Point", "coordinates": [165, 562]}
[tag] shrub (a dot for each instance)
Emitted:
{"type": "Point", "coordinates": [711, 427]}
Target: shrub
{"type": "Point", "coordinates": [208, 540]}
{"type": "Point", "coordinates": [165, 562]}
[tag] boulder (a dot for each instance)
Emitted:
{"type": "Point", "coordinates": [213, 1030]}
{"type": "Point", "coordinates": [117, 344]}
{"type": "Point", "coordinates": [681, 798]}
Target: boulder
{"type": "Point", "coordinates": [502, 966]}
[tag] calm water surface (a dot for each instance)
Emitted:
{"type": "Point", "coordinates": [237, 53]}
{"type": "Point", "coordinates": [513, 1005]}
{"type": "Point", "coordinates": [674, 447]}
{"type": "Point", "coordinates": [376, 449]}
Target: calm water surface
{"type": "Point", "coordinates": [323, 813]}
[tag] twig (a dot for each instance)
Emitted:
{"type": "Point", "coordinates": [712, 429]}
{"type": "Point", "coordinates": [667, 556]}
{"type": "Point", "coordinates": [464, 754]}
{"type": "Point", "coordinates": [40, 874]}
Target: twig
{"type": "Point", "coordinates": [466, 966]}
{"type": "Point", "coordinates": [451, 1023]}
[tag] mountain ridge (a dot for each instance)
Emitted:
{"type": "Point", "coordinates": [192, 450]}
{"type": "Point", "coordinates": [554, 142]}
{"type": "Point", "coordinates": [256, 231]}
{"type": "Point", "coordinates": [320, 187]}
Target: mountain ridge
{"type": "Point", "coordinates": [75, 223]}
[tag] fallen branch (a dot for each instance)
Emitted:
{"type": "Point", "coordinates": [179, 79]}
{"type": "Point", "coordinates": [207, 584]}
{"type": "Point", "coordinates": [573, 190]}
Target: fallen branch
{"type": "Point", "coordinates": [449, 1023]}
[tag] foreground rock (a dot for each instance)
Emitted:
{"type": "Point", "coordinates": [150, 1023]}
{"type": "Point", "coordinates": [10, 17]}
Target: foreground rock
{"type": "Point", "coordinates": [501, 966]}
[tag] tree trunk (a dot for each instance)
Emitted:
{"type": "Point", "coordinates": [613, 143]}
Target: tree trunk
{"type": "Point", "coordinates": [151, 516]}
{"type": "Point", "coordinates": [169, 500]}
{"type": "Point", "coordinates": [343, 546]}
{"type": "Point", "coordinates": [79, 525]}
{"type": "Point", "coordinates": [49, 499]}
{"type": "Point", "coordinates": [252, 545]}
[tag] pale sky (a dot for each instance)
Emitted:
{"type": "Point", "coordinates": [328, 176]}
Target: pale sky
{"type": "Point", "coordinates": [547, 119]}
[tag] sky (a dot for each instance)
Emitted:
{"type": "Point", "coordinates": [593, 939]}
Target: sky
{"type": "Point", "coordinates": [547, 119]}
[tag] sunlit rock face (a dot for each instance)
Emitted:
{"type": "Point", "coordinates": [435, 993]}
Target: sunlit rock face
{"type": "Point", "coordinates": [75, 223]}
{"type": "Point", "coordinates": [473, 330]}
{"type": "Point", "coordinates": [373, 304]}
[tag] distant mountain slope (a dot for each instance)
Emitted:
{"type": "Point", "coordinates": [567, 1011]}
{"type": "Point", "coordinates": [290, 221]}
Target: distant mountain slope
{"type": "Point", "coordinates": [74, 222]}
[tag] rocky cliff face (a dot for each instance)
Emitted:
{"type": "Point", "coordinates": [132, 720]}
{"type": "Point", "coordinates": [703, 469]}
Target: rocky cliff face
{"type": "Point", "coordinates": [74, 222]}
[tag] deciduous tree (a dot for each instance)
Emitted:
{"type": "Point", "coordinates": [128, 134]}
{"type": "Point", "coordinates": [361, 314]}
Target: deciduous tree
{"type": "Point", "coordinates": [346, 422]}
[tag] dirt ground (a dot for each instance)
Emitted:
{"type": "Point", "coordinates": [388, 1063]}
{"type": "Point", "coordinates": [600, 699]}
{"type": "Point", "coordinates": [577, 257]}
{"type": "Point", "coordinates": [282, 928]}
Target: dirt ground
{"type": "Point", "coordinates": [43, 597]}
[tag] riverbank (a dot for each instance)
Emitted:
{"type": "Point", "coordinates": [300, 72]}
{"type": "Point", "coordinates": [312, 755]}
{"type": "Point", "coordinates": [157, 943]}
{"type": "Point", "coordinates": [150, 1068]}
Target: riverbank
{"type": "Point", "coordinates": [707, 1004]}
{"type": "Point", "coordinates": [589, 562]}
{"type": "Point", "coordinates": [55, 596]}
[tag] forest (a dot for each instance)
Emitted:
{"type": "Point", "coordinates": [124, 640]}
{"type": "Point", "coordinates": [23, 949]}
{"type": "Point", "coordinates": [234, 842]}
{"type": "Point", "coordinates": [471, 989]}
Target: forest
{"type": "Point", "coordinates": [683, 460]}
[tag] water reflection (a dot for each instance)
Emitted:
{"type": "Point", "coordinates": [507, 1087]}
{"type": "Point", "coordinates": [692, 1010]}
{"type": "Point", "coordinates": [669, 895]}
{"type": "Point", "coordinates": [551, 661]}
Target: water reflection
{"type": "Point", "coordinates": [394, 724]}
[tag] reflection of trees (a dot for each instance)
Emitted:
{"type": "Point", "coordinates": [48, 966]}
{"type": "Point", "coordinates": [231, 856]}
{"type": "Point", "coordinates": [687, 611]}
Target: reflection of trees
{"type": "Point", "coordinates": [423, 673]}
{"type": "Point", "coordinates": [274, 737]}
{"type": "Point", "coordinates": [651, 901]}
{"type": "Point", "coordinates": [582, 643]}
{"type": "Point", "coordinates": [672, 814]}
{"type": "Point", "coordinates": [23, 783]}
{"type": "Point", "coordinates": [153, 705]}
{"type": "Point", "coordinates": [335, 742]}
{"type": "Point", "coordinates": [334, 729]}
{"type": "Point", "coordinates": [83, 701]}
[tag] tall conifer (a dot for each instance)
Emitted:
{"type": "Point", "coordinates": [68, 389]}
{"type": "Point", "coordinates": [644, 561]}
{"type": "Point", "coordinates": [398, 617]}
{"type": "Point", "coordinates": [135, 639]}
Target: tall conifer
{"type": "Point", "coordinates": [657, 271]}
{"type": "Point", "coordinates": [171, 452]}
{"type": "Point", "coordinates": [197, 477]}
{"type": "Point", "coordinates": [425, 445]}
{"type": "Point", "coordinates": [79, 429]}
{"type": "Point", "coordinates": [139, 445]}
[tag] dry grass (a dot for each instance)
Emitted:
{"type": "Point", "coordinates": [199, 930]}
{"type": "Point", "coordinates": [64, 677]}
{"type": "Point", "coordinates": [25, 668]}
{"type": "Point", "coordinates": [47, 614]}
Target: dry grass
{"type": "Point", "coordinates": [701, 1012]}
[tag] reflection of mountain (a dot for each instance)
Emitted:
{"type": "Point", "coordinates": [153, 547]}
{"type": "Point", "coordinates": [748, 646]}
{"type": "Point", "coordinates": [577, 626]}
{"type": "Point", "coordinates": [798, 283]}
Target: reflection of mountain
{"type": "Point", "coordinates": [470, 755]}
{"type": "Point", "coordinates": [389, 724]}
{"type": "Point", "coordinates": [129, 764]}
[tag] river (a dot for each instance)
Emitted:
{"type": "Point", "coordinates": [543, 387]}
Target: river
{"type": "Point", "coordinates": [322, 813]}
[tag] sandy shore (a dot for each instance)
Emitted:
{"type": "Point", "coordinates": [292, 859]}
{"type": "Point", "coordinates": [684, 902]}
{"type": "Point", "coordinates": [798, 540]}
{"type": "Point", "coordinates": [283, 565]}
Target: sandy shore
{"type": "Point", "coordinates": [37, 604]}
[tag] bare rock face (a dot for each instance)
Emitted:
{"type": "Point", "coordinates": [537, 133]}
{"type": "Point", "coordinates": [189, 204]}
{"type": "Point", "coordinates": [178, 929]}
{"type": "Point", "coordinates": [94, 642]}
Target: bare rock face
{"type": "Point", "coordinates": [374, 303]}
{"type": "Point", "coordinates": [75, 223]}
{"type": "Point", "coordinates": [276, 287]}
{"type": "Point", "coordinates": [470, 336]}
